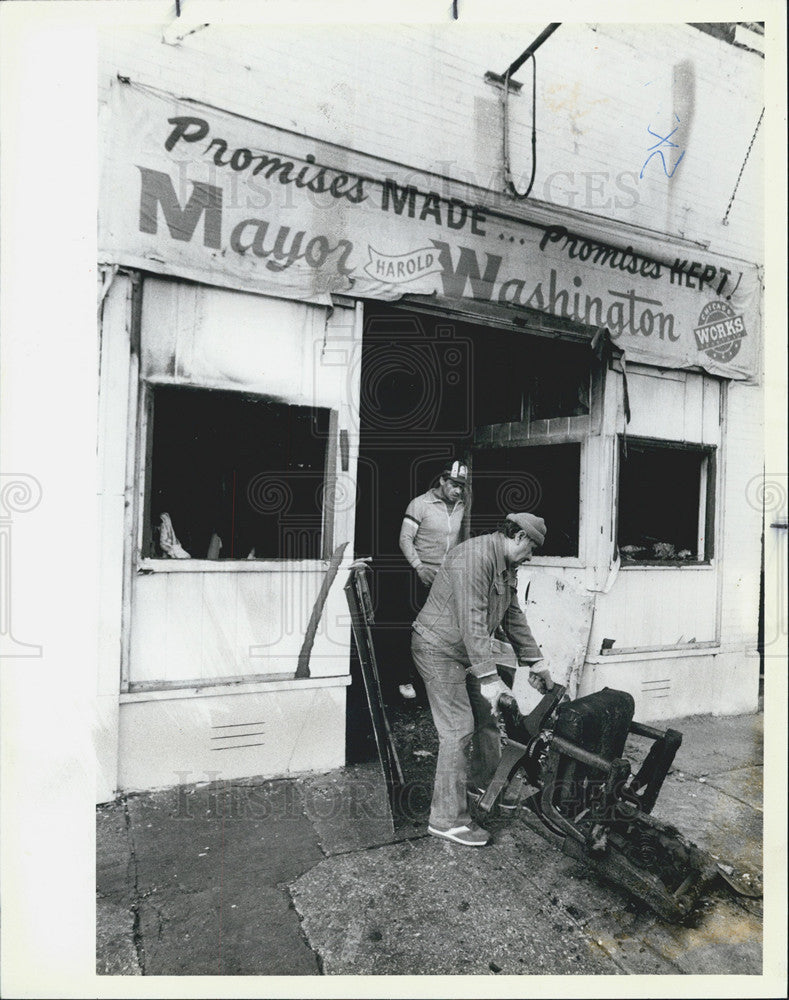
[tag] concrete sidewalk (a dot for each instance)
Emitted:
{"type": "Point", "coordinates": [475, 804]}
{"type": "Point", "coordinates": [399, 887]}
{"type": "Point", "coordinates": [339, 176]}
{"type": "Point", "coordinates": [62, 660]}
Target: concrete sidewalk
{"type": "Point", "coordinates": [306, 877]}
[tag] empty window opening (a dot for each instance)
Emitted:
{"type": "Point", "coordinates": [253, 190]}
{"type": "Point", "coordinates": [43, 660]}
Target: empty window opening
{"type": "Point", "coordinates": [543, 480]}
{"type": "Point", "coordinates": [521, 379]}
{"type": "Point", "coordinates": [665, 511]}
{"type": "Point", "coordinates": [238, 476]}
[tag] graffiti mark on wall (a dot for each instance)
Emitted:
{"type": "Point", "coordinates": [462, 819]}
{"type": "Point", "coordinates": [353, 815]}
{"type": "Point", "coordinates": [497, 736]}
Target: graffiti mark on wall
{"type": "Point", "coordinates": [662, 148]}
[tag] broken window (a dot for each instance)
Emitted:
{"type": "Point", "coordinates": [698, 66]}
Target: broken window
{"type": "Point", "coordinates": [520, 379]}
{"type": "Point", "coordinates": [543, 480]}
{"type": "Point", "coordinates": [234, 476]}
{"type": "Point", "coordinates": [666, 502]}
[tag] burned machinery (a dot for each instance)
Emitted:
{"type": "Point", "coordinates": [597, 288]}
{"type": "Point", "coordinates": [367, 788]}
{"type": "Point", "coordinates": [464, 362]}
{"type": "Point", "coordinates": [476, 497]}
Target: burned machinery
{"type": "Point", "coordinates": [584, 797]}
{"type": "Point", "coordinates": [587, 801]}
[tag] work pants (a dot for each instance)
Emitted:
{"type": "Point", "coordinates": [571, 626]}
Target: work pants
{"type": "Point", "coordinates": [463, 718]}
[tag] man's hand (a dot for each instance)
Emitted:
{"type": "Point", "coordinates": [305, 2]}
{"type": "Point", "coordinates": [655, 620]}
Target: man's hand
{"type": "Point", "coordinates": [492, 688]}
{"type": "Point", "coordinates": [540, 678]}
{"type": "Point", "coordinates": [426, 574]}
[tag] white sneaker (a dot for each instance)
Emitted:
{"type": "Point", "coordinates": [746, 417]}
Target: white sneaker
{"type": "Point", "coordinates": [407, 691]}
{"type": "Point", "coordinates": [471, 835]}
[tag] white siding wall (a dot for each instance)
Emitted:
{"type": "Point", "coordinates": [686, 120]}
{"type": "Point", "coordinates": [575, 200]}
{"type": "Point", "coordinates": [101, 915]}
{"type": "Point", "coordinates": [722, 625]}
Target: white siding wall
{"type": "Point", "coordinates": [664, 606]}
{"type": "Point", "coordinates": [649, 607]}
{"type": "Point", "coordinates": [210, 625]}
{"type": "Point", "coordinates": [194, 621]}
{"type": "Point", "coordinates": [742, 524]}
{"type": "Point", "coordinates": [111, 502]}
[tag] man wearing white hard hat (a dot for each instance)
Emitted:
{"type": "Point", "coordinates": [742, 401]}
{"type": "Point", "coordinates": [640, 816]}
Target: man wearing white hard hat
{"type": "Point", "coordinates": [473, 593]}
{"type": "Point", "coordinates": [431, 527]}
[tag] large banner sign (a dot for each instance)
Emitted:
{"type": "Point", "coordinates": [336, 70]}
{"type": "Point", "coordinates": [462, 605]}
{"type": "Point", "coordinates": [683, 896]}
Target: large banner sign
{"type": "Point", "coordinates": [206, 195]}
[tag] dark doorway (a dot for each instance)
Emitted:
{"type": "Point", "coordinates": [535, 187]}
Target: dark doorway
{"type": "Point", "coordinates": [415, 414]}
{"type": "Point", "coordinates": [426, 383]}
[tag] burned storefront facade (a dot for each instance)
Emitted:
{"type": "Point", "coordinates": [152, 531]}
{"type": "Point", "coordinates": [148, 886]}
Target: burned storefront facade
{"type": "Point", "coordinates": [296, 333]}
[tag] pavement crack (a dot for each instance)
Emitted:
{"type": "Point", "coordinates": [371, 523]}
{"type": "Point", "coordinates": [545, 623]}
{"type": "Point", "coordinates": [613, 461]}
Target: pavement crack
{"type": "Point", "coordinates": [303, 802]}
{"type": "Point", "coordinates": [137, 936]}
{"type": "Point", "coordinates": [735, 798]}
{"type": "Point", "coordinates": [292, 904]}
{"type": "Point", "coordinates": [365, 848]}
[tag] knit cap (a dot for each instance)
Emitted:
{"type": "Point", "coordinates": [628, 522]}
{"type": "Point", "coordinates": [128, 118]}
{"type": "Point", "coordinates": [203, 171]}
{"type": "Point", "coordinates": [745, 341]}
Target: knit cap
{"type": "Point", "coordinates": [533, 526]}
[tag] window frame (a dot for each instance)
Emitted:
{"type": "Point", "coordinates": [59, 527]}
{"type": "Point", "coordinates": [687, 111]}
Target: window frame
{"type": "Point", "coordinates": [143, 536]}
{"type": "Point", "coordinates": [706, 522]}
{"type": "Point", "coordinates": [528, 426]}
{"type": "Point", "coordinates": [568, 562]}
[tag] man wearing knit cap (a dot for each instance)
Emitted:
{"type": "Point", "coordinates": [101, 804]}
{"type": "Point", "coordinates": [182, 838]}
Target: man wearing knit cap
{"type": "Point", "coordinates": [474, 592]}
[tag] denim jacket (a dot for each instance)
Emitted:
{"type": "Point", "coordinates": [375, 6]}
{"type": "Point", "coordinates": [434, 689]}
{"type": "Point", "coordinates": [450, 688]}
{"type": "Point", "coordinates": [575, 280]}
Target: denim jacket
{"type": "Point", "coordinates": [473, 593]}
